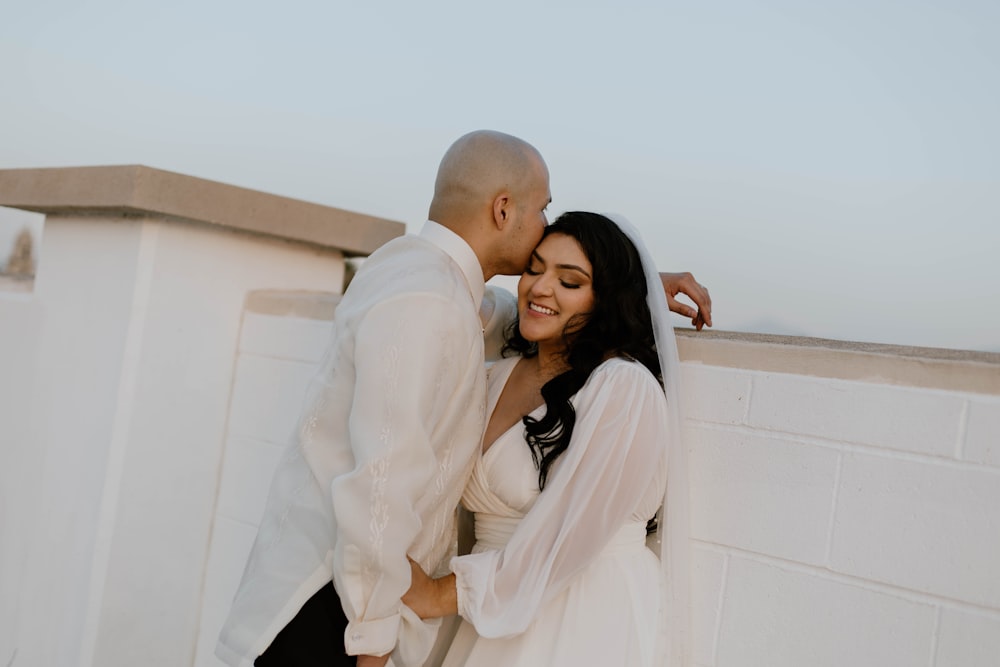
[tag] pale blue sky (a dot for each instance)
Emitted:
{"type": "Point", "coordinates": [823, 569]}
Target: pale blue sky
{"type": "Point", "coordinates": [826, 168]}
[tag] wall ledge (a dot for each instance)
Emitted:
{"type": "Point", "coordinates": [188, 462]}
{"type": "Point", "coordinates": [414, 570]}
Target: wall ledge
{"type": "Point", "coordinates": [140, 190]}
{"type": "Point", "coordinates": [933, 368]}
{"type": "Point", "coordinates": [293, 303]}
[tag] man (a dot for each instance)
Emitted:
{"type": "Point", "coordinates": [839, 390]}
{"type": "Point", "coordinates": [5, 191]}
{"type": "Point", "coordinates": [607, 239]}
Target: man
{"type": "Point", "coordinates": [392, 425]}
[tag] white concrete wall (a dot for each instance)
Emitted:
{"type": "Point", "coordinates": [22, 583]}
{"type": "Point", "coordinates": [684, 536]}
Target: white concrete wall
{"type": "Point", "coordinates": [113, 410]}
{"type": "Point", "coordinates": [835, 522]}
{"type": "Point", "coordinates": [843, 523]}
{"type": "Point", "coordinates": [21, 460]}
{"type": "Point", "coordinates": [145, 395]}
{"type": "Point", "coordinates": [277, 357]}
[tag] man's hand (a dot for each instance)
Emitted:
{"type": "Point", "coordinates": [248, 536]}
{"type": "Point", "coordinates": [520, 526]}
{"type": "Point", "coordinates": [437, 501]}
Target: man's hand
{"type": "Point", "coordinates": [373, 660]}
{"type": "Point", "coordinates": [431, 598]}
{"type": "Point", "coordinates": [684, 283]}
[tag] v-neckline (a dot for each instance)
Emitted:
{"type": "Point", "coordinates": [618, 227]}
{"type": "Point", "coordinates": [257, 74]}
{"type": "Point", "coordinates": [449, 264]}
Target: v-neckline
{"type": "Point", "coordinates": [485, 449]}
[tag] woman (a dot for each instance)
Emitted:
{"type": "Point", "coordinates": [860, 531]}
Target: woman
{"type": "Point", "coordinates": [574, 465]}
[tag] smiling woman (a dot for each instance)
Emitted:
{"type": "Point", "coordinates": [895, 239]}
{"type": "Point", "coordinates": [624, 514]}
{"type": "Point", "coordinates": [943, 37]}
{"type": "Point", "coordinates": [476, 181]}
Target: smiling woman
{"type": "Point", "coordinates": [573, 468]}
{"type": "Point", "coordinates": [555, 295]}
{"type": "Point", "coordinates": [581, 300]}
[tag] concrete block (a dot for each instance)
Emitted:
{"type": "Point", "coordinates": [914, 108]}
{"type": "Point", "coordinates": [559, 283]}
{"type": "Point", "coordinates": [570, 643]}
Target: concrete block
{"type": "Point", "coordinates": [285, 337]}
{"type": "Point", "coordinates": [227, 557]}
{"type": "Point", "coordinates": [922, 526]}
{"type": "Point", "coordinates": [761, 494]}
{"type": "Point", "coordinates": [779, 618]}
{"type": "Point", "coordinates": [268, 397]}
{"type": "Point", "coordinates": [707, 571]}
{"type": "Point", "coordinates": [982, 433]}
{"type": "Point", "coordinates": [967, 639]}
{"type": "Point", "coordinates": [213, 616]}
{"type": "Point", "coordinates": [714, 394]}
{"type": "Point", "coordinates": [913, 420]}
{"type": "Point", "coordinates": [246, 478]}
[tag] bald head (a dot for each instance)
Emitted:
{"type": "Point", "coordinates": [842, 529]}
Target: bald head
{"type": "Point", "coordinates": [476, 169]}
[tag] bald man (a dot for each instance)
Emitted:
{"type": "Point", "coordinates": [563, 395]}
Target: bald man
{"type": "Point", "coordinates": [392, 425]}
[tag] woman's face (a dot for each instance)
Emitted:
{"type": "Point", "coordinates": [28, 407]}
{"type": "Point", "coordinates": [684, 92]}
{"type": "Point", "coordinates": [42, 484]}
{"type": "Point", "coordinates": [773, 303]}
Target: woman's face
{"type": "Point", "coordinates": [556, 287]}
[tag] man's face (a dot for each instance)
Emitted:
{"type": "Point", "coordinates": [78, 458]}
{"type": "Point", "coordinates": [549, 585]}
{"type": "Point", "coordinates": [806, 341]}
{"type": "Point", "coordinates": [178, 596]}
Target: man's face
{"type": "Point", "coordinates": [531, 218]}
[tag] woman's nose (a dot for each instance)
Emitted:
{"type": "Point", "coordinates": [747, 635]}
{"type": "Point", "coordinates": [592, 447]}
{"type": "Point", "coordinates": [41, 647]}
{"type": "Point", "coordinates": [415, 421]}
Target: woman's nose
{"type": "Point", "coordinates": [542, 286]}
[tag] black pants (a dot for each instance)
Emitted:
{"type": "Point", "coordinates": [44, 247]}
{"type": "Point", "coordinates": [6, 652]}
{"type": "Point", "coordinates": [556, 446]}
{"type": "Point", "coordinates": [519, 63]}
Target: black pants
{"type": "Point", "coordinates": [314, 638]}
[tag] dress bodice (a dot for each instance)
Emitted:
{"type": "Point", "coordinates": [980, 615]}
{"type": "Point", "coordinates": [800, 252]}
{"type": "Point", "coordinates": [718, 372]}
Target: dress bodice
{"type": "Point", "coordinates": [504, 482]}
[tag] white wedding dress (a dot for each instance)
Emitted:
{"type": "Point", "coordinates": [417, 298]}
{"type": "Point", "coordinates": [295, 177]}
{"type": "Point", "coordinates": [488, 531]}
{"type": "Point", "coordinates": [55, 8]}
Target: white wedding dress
{"type": "Point", "coordinates": [564, 577]}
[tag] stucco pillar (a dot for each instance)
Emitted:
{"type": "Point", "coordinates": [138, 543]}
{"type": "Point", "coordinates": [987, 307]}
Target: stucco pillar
{"type": "Point", "coordinates": [123, 356]}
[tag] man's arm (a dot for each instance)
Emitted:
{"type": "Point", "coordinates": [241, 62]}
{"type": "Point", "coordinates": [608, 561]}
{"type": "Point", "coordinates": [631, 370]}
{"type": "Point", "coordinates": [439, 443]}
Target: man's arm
{"type": "Point", "coordinates": [500, 308]}
{"type": "Point", "coordinates": [405, 347]}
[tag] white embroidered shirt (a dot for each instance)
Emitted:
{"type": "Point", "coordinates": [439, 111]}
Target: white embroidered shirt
{"type": "Point", "coordinates": [391, 426]}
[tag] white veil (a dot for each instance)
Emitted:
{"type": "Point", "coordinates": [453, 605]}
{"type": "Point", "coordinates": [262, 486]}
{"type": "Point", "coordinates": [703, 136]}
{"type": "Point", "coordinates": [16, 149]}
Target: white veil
{"type": "Point", "coordinates": [674, 642]}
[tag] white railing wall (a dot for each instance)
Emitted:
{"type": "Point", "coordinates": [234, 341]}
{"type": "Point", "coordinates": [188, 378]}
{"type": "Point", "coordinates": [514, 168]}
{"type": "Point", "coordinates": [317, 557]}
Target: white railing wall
{"type": "Point", "coordinates": [117, 370]}
{"type": "Point", "coordinates": [846, 497]}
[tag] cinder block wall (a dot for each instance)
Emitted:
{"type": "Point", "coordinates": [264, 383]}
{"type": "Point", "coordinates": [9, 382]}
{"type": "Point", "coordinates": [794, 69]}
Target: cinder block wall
{"type": "Point", "coordinates": [282, 339]}
{"type": "Point", "coordinates": [841, 522]}
{"type": "Point", "coordinates": [116, 370]}
{"type": "Point", "coordinates": [835, 521]}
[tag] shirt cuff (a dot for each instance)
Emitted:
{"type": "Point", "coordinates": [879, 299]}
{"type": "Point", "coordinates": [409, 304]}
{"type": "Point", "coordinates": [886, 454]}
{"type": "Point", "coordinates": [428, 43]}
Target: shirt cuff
{"type": "Point", "coordinates": [416, 638]}
{"type": "Point", "coordinates": [376, 637]}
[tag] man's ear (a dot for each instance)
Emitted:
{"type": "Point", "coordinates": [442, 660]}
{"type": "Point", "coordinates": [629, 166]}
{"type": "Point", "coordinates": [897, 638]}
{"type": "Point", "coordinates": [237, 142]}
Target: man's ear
{"type": "Point", "coordinates": [502, 207]}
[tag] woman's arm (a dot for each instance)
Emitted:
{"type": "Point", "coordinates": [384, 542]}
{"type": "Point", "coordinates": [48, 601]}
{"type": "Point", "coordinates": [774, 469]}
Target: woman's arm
{"type": "Point", "coordinates": [616, 452]}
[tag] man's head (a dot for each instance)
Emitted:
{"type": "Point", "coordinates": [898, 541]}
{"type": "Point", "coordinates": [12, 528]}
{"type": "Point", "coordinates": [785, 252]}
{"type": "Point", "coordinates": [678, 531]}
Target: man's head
{"type": "Point", "coordinates": [492, 190]}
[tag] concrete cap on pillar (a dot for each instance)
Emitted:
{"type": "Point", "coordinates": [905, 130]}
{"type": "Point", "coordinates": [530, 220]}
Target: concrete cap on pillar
{"type": "Point", "coordinates": [140, 190]}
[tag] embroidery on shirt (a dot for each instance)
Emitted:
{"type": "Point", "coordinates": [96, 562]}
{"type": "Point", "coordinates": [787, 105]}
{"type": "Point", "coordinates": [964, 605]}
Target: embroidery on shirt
{"type": "Point", "coordinates": [378, 468]}
{"type": "Point", "coordinates": [447, 492]}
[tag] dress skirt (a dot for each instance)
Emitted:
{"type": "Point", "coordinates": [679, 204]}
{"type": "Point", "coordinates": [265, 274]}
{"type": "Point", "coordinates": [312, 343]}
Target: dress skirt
{"type": "Point", "coordinates": [607, 616]}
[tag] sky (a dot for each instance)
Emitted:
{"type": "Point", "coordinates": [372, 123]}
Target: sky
{"type": "Point", "coordinates": [827, 169]}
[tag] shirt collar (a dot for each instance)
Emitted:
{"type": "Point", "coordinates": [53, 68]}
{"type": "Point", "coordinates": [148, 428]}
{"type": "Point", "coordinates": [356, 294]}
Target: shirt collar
{"type": "Point", "coordinates": [455, 247]}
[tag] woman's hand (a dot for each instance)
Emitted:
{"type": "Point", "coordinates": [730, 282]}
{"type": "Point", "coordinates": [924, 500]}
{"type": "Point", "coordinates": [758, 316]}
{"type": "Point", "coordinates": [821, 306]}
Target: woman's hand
{"type": "Point", "coordinates": [430, 598]}
{"type": "Point", "coordinates": [684, 283]}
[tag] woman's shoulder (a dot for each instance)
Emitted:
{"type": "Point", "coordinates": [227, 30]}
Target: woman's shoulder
{"type": "Point", "coordinates": [622, 370]}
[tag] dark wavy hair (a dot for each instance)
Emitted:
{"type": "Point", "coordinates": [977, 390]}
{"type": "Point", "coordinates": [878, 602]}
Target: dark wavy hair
{"type": "Point", "coordinates": [619, 325]}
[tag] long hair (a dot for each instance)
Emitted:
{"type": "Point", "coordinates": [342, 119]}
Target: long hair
{"type": "Point", "coordinates": [619, 325]}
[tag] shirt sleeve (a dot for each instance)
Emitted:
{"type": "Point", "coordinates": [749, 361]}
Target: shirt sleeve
{"type": "Point", "coordinates": [502, 308]}
{"type": "Point", "coordinates": [616, 452]}
{"type": "Point", "coordinates": [405, 358]}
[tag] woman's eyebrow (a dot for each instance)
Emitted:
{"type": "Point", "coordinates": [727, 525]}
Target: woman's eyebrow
{"type": "Point", "coordinates": [572, 267]}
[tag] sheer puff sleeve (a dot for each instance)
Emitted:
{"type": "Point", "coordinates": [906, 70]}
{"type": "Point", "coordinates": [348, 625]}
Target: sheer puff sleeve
{"type": "Point", "coordinates": [601, 482]}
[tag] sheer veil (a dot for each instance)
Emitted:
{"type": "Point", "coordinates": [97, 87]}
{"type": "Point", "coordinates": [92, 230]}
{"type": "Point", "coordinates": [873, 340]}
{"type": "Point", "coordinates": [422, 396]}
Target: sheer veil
{"type": "Point", "coordinates": [671, 542]}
